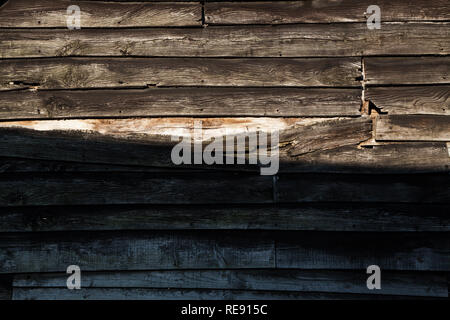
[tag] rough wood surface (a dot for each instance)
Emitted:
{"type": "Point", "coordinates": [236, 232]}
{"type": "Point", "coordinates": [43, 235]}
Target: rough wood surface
{"type": "Point", "coordinates": [168, 102]}
{"type": "Point", "coordinates": [407, 157]}
{"type": "Point", "coordinates": [411, 100]}
{"type": "Point", "coordinates": [413, 128]}
{"type": "Point", "coordinates": [326, 135]}
{"type": "Point", "coordinates": [426, 251]}
{"type": "Point", "coordinates": [424, 188]}
{"type": "Point", "coordinates": [276, 12]}
{"type": "Point", "coordinates": [147, 188]}
{"type": "Point", "coordinates": [53, 13]}
{"type": "Point", "coordinates": [128, 188]}
{"type": "Point", "coordinates": [310, 217]}
{"type": "Point", "coordinates": [320, 40]}
{"type": "Point", "coordinates": [394, 283]}
{"type": "Point", "coordinates": [162, 250]}
{"type": "Point", "coordinates": [407, 70]}
{"type": "Point", "coordinates": [122, 72]}
{"type": "Point", "coordinates": [178, 294]}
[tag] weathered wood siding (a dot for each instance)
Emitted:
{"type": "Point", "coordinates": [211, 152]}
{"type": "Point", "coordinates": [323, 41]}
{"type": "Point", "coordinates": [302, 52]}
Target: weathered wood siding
{"type": "Point", "coordinates": [86, 178]}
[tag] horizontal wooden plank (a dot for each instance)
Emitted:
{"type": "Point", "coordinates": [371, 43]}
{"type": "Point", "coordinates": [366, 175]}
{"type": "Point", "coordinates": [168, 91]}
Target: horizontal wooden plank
{"type": "Point", "coordinates": [413, 128]}
{"type": "Point", "coordinates": [322, 40]}
{"type": "Point", "coordinates": [160, 250]}
{"type": "Point", "coordinates": [274, 12]}
{"type": "Point", "coordinates": [424, 188]}
{"type": "Point", "coordinates": [51, 13]}
{"type": "Point", "coordinates": [407, 70]}
{"type": "Point", "coordinates": [406, 157]}
{"type": "Point", "coordinates": [307, 217]}
{"type": "Point", "coordinates": [394, 283]}
{"type": "Point", "coordinates": [410, 100]}
{"type": "Point", "coordinates": [9, 165]}
{"type": "Point", "coordinates": [326, 135]}
{"type": "Point", "coordinates": [177, 294]}
{"type": "Point", "coordinates": [127, 188]}
{"type": "Point", "coordinates": [409, 251]}
{"type": "Point", "coordinates": [165, 102]}
{"type": "Point", "coordinates": [391, 158]}
{"type": "Point", "coordinates": [122, 72]}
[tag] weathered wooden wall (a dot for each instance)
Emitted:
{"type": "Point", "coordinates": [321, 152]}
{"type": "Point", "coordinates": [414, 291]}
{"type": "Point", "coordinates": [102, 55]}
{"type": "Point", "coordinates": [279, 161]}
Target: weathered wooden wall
{"type": "Point", "coordinates": [86, 176]}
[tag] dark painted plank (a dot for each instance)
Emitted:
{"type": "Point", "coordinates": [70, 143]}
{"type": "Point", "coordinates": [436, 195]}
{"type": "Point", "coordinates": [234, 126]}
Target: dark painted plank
{"type": "Point", "coordinates": [322, 40]}
{"type": "Point", "coordinates": [53, 13]}
{"type": "Point", "coordinates": [324, 217]}
{"type": "Point", "coordinates": [408, 251]}
{"type": "Point", "coordinates": [413, 128]}
{"type": "Point", "coordinates": [160, 250]}
{"type": "Point", "coordinates": [411, 100]}
{"type": "Point", "coordinates": [164, 102]}
{"type": "Point", "coordinates": [274, 12]}
{"type": "Point", "coordinates": [407, 70]}
{"type": "Point", "coordinates": [393, 283]}
{"type": "Point", "coordinates": [122, 72]}
{"type": "Point", "coordinates": [423, 188]}
{"type": "Point", "coordinates": [135, 251]}
{"type": "Point", "coordinates": [176, 294]}
{"type": "Point", "coordinates": [133, 187]}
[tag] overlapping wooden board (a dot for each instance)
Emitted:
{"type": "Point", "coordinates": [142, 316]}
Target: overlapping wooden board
{"type": "Point", "coordinates": [180, 294]}
{"type": "Point", "coordinates": [94, 14]}
{"type": "Point", "coordinates": [411, 100]}
{"type": "Point", "coordinates": [169, 102]}
{"type": "Point", "coordinates": [394, 283]}
{"type": "Point", "coordinates": [420, 188]}
{"type": "Point", "coordinates": [407, 70]}
{"type": "Point", "coordinates": [308, 217]}
{"type": "Point", "coordinates": [275, 12]}
{"type": "Point", "coordinates": [169, 250]}
{"type": "Point", "coordinates": [60, 73]}
{"type": "Point", "coordinates": [163, 188]}
{"type": "Point", "coordinates": [319, 40]}
{"type": "Point", "coordinates": [413, 128]}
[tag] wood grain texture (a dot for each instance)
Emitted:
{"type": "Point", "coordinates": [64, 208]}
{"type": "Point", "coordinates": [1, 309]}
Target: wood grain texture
{"type": "Point", "coordinates": [160, 250]}
{"type": "Point", "coordinates": [168, 102]}
{"type": "Point", "coordinates": [320, 40]}
{"type": "Point", "coordinates": [115, 150]}
{"type": "Point", "coordinates": [179, 294]}
{"type": "Point", "coordinates": [394, 283]}
{"type": "Point", "coordinates": [127, 188]}
{"type": "Point", "coordinates": [413, 128]}
{"type": "Point", "coordinates": [326, 135]}
{"type": "Point", "coordinates": [411, 100]}
{"type": "Point", "coordinates": [122, 72]}
{"type": "Point", "coordinates": [276, 12]}
{"type": "Point", "coordinates": [424, 188]}
{"type": "Point", "coordinates": [307, 217]}
{"type": "Point", "coordinates": [410, 251]}
{"type": "Point", "coordinates": [51, 13]}
{"type": "Point", "coordinates": [147, 188]}
{"type": "Point", "coordinates": [135, 251]}
{"type": "Point", "coordinates": [407, 157]}
{"type": "Point", "coordinates": [407, 70]}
